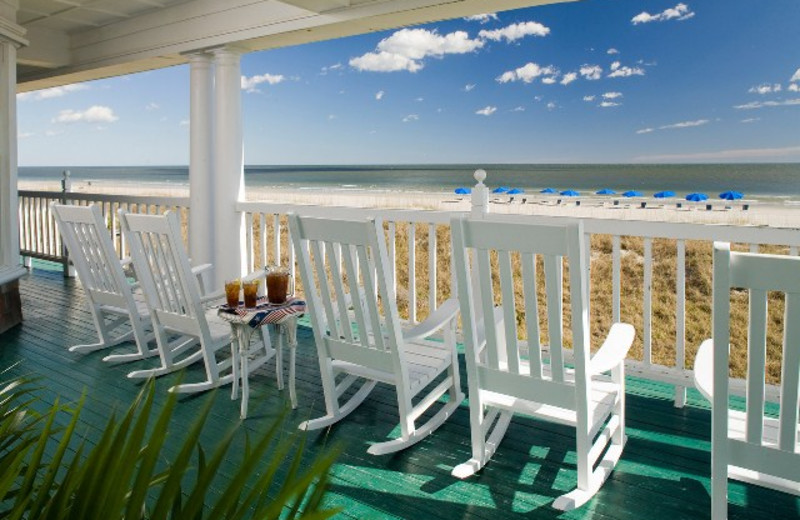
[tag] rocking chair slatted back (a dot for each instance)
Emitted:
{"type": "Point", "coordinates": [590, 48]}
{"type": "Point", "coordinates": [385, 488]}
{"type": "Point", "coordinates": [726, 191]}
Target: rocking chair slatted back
{"type": "Point", "coordinates": [168, 282]}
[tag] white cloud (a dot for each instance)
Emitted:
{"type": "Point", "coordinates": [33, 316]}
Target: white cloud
{"type": "Point", "coordinates": [618, 71]}
{"type": "Point", "coordinates": [419, 99]}
{"type": "Point", "coordinates": [184, 122]}
{"type": "Point", "coordinates": [54, 92]}
{"type": "Point", "coordinates": [645, 130]}
{"type": "Point", "coordinates": [151, 106]}
{"type": "Point", "coordinates": [588, 98]}
{"type": "Point", "coordinates": [765, 88]}
{"type": "Point", "coordinates": [549, 80]}
{"type": "Point", "coordinates": [331, 117]}
{"type": "Point", "coordinates": [486, 111]}
{"type": "Point", "coordinates": [612, 95]}
{"type": "Point", "coordinates": [569, 77]}
{"type": "Point", "coordinates": [25, 135]}
{"type": "Point", "coordinates": [518, 109]}
{"type": "Point", "coordinates": [793, 87]}
{"type": "Point", "coordinates": [93, 114]}
{"type": "Point", "coordinates": [515, 32]}
{"type": "Point", "coordinates": [612, 50]}
{"type": "Point", "coordinates": [679, 12]}
{"type": "Point", "coordinates": [405, 49]}
{"type": "Point", "coordinates": [551, 105]}
{"type": "Point", "coordinates": [796, 76]}
{"type": "Point", "coordinates": [762, 104]}
{"type": "Point", "coordinates": [330, 68]}
{"type": "Point", "coordinates": [684, 124]}
{"type": "Point", "coordinates": [482, 18]}
{"type": "Point", "coordinates": [379, 95]}
{"type": "Point", "coordinates": [527, 73]}
{"type": "Point", "coordinates": [723, 155]}
{"type": "Point", "coordinates": [469, 87]}
{"type": "Point", "coordinates": [250, 84]}
{"type": "Point", "coordinates": [591, 72]}
{"type": "Point", "coordinates": [608, 104]}
{"type": "Point", "coordinates": [53, 133]}
{"type": "Point", "coordinates": [411, 117]}
{"type": "Point", "coordinates": [750, 120]}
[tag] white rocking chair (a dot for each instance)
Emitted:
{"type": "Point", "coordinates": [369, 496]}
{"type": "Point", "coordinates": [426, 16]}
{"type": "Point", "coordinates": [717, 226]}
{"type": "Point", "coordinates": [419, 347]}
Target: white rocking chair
{"type": "Point", "coordinates": [505, 378]}
{"type": "Point", "coordinates": [356, 342]}
{"type": "Point", "coordinates": [751, 446]}
{"type": "Point", "coordinates": [173, 296]}
{"type": "Point", "coordinates": [104, 282]}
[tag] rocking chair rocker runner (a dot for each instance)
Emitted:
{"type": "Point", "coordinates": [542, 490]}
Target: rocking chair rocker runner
{"type": "Point", "coordinates": [176, 306]}
{"type": "Point", "coordinates": [506, 378]}
{"type": "Point", "coordinates": [355, 342]}
{"type": "Point", "coordinates": [104, 282]}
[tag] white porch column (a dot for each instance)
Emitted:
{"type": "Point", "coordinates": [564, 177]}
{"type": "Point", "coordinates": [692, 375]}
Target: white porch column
{"type": "Point", "coordinates": [11, 37]}
{"type": "Point", "coordinates": [228, 166]}
{"type": "Point", "coordinates": [201, 156]}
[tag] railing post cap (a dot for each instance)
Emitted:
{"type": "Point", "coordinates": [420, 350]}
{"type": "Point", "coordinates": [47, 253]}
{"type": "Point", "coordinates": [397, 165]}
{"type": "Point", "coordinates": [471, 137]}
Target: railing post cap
{"type": "Point", "coordinates": [480, 175]}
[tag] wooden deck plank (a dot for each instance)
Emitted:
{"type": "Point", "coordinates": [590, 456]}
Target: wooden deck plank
{"type": "Point", "coordinates": [663, 472]}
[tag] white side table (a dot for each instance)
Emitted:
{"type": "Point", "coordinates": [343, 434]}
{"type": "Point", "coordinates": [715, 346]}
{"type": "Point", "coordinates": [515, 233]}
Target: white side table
{"type": "Point", "coordinates": [243, 322]}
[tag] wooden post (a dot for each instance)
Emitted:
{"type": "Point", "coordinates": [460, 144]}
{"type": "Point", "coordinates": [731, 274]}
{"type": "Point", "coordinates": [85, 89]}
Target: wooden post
{"type": "Point", "coordinates": [66, 187]}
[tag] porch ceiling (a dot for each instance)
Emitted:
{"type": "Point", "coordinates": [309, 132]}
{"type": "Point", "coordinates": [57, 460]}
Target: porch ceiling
{"type": "Point", "coordinates": [81, 40]}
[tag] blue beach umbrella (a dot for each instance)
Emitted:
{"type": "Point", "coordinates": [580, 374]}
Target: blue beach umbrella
{"type": "Point", "coordinates": [664, 194]}
{"type": "Point", "coordinates": [570, 193]}
{"type": "Point", "coordinates": [515, 191]}
{"type": "Point", "coordinates": [501, 189]}
{"type": "Point", "coordinates": [605, 191]}
{"type": "Point", "coordinates": [697, 197]}
{"type": "Point", "coordinates": [549, 191]}
{"type": "Point", "coordinates": [463, 191]}
{"type": "Point", "coordinates": [633, 193]}
{"type": "Point", "coordinates": [731, 195]}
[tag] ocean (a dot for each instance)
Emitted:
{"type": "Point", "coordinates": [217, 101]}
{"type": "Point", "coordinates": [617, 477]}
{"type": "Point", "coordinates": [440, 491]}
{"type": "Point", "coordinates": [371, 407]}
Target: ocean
{"type": "Point", "coordinates": [756, 181]}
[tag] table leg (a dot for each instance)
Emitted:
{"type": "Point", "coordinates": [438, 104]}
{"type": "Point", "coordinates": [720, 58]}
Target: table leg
{"type": "Point", "coordinates": [279, 354]}
{"type": "Point", "coordinates": [244, 346]}
{"type": "Point", "coordinates": [235, 354]}
{"type": "Point", "coordinates": [292, 390]}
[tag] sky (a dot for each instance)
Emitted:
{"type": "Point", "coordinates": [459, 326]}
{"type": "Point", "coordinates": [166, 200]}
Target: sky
{"type": "Point", "coordinates": [595, 81]}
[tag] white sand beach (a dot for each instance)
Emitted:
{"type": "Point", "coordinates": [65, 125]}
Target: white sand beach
{"type": "Point", "coordinates": [773, 213]}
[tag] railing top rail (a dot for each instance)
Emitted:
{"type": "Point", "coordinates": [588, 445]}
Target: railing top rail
{"type": "Point", "coordinates": [601, 226]}
{"type": "Point", "coordinates": [103, 197]}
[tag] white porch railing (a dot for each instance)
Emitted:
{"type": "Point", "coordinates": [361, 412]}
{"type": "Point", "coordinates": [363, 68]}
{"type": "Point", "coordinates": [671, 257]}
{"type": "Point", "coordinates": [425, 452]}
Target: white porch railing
{"type": "Point", "coordinates": [422, 281]}
{"type": "Point", "coordinates": [39, 238]}
{"type": "Point", "coordinates": [419, 250]}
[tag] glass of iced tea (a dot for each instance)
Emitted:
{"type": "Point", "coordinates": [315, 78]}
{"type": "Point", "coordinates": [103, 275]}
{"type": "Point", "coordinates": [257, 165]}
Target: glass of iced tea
{"type": "Point", "coordinates": [232, 288]}
{"type": "Point", "coordinates": [278, 284]}
{"type": "Point", "coordinates": [250, 293]}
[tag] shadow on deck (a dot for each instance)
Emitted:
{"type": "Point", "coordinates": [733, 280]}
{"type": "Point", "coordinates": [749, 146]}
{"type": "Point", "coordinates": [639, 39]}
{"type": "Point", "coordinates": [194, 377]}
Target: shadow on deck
{"type": "Point", "coordinates": [664, 471]}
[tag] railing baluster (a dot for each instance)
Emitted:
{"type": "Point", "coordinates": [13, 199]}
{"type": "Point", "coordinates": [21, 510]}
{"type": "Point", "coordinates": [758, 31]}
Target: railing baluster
{"type": "Point", "coordinates": [647, 306]}
{"type": "Point", "coordinates": [262, 233]}
{"type": "Point", "coordinates": [250, 260]}
{"type": "Point", "coordinates": [431, 268]}
{"type": "Point", "coordinates": [680, 320]}
{"type": "Point", "coordinates": [276, 245]}
{"type": "Point", "coordinates": [412, 273]}
{"type": "Point", "coordinates": [616, 275]}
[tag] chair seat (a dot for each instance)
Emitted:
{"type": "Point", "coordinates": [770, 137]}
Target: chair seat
{"type": "Point", "coordinates": [426, 360]}
{"type": "Point", "coordinates": [603, 396]}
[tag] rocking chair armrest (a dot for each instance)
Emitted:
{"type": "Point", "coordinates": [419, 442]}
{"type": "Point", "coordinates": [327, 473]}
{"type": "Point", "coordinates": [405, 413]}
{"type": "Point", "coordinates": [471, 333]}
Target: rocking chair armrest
{"type": "Point", "coordinates": [614, 349]}
{"type": "Point", "coordinates": [437, 319]}
{"type": "Point", "coordinates": [704, 369]}
{"type": "Point", "coordinates": [200, 269]}
{"type": "Point", "coordinates": [255, 275]}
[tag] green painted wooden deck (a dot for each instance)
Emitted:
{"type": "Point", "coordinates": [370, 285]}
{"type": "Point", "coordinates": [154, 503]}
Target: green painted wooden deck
{"type": "Point", "coordinates": [663, 472]}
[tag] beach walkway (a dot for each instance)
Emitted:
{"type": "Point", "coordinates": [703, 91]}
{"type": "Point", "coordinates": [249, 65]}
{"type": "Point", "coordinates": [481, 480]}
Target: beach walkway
{"type": "Point", "coordinates": [664, 471]}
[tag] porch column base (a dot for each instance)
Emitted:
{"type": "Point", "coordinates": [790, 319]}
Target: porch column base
{"type": "Point", "coordinates": [10, 305]}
